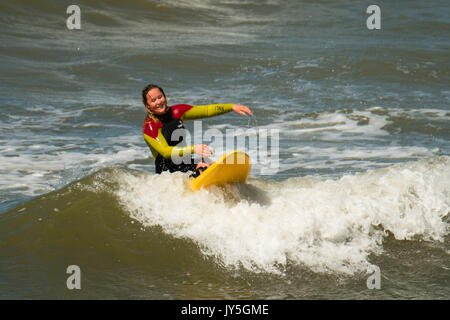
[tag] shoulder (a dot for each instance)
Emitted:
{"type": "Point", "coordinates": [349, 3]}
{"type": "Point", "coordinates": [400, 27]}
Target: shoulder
{"type": "Point", "coordinates": [151, 127]}
{"type": "Point", "coordinates": [179, 109]}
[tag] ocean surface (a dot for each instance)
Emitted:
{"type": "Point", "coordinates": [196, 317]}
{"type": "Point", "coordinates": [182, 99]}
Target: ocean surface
{"type": "Point", "coordinates": [358, 125]}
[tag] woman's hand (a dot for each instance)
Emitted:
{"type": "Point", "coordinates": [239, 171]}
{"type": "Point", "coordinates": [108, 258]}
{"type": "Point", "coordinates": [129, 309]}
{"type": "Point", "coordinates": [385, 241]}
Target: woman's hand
{"type": "Point", "coordinates": [202, 150]}
{"type": "Point", "coordinates": [242, 110]}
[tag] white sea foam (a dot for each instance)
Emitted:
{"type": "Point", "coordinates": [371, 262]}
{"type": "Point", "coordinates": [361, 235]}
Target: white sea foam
{"type": "Point", "coordinates": [387, 152]}
{"type": "Point", "coordinates": [336, 126]}
{"type": "Point", "coordinates": [321, 141]}
{"type": "Point", "coordinates": [325, 225]}
{"type": "Point", "coordinates": [40, 168]}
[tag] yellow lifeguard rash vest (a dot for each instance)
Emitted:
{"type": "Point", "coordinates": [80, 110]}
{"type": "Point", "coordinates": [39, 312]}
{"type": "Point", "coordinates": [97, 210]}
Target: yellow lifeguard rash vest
{"type": "Point", "coordinates": [153, 130]}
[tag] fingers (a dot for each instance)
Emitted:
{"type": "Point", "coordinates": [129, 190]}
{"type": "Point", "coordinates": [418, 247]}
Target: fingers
{"type": "Point", "coordinates": [247, 110]}
{"type": "Point", "coordinates": [242, 110]}
{"type": "Point", "coordinates": [202, 150]}
{"type": "Point", "coordinates": [206, 151]}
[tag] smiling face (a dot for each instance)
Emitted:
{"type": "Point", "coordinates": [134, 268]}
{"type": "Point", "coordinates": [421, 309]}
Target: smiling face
{"type": "Point", "coordinates": [156, 102]}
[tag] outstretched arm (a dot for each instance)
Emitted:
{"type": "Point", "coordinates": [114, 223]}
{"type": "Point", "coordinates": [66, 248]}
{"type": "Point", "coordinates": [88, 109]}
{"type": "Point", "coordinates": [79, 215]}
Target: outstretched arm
{"type": "Point", "coordinates": [205, 111]}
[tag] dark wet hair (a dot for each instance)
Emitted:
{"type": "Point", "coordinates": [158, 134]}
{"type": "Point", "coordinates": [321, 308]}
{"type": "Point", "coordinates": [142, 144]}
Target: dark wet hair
{"type": "Point", "coordinates": [147, 89]}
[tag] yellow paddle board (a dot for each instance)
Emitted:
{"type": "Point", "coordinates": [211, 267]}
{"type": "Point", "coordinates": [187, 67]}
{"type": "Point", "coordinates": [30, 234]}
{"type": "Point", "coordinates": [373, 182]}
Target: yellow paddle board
{"type": "Point", "coordinates": [232, 167]}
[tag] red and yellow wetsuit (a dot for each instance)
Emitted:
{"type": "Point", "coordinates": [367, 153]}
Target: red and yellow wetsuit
{"type": "Point", "coordinates": [158, 134]}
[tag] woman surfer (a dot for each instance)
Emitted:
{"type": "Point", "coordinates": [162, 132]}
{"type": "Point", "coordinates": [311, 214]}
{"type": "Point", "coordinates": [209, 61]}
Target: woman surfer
{"type": "Point", "coordinates": [162, 121]}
